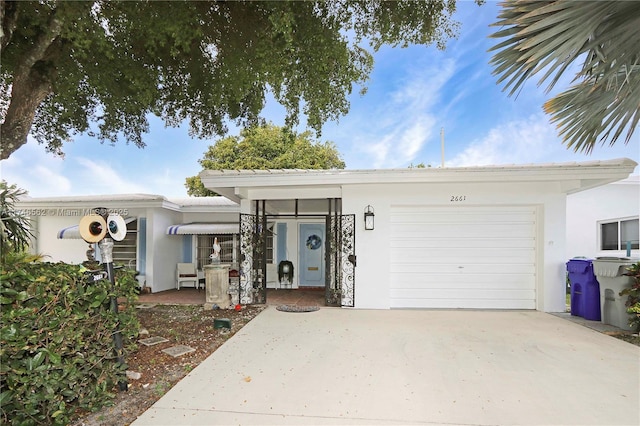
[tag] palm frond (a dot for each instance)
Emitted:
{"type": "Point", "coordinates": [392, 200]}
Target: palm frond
{"type": "Point", "coordinates": [15, 228]}
{"type": "Point", "coordinates": [546, 38]}
{"type": "Point", "coordinates": [590, 112]}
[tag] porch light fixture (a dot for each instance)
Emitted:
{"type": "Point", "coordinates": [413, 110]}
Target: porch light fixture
{"type": "Point", "coordinates": [368, 218]}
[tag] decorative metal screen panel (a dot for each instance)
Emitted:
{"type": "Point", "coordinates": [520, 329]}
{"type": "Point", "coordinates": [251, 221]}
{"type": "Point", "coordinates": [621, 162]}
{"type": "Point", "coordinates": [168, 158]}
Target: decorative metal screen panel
{"type": "Point", "coordinates": [340, 260]}
{"type": "Point", "coordinates": [252, 260]}
{"type": "Point", "coordinates": [247, 230]}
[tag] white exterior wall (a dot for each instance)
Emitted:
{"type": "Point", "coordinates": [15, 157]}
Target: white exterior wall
{"type": "Point", "coordinates": [57, 250]}
{"type": "Point", "coordinates": [163, 251]}
{"type": "Point", "coordinates": [552, 264]}
{"type": "Point", "coordinates": [585, 209]}
{"type": "Point", "coordinates": [58, 218]}
{"type": "Point", "coordinates": [373, 248]}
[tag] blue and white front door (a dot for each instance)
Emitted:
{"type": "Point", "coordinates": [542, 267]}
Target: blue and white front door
{"type": "Point", "coordinates": [311, 243]}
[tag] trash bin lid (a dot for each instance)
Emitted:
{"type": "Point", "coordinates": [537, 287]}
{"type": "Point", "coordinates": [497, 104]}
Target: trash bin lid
{"type": "Point", "coordinates": [611, 266]}
{"type": "Point", "coordinates": [578, 266]}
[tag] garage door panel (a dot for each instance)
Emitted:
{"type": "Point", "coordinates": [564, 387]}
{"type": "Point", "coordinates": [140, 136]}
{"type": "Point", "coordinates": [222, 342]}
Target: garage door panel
{"type": "Point", "coordinates": [463, 257]}
{"type": "Point", "coordinates": [444, 215]}
{"type": "Point", "coordinates": [479, 281]}
{"type": "Point", "coordinates": [458, 303]}
{"type": "Point", "coordinates": [426, 269]}
{"type": "Point", "coordinates": [471, 230]}
{"type": "Point", "coordinates": [448, 242]}
{"type": "Point", "coordinates": [476, 294]}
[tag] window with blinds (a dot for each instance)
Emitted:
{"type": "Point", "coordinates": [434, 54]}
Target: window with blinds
{"type": "Point", "coordinates": [125, 251]}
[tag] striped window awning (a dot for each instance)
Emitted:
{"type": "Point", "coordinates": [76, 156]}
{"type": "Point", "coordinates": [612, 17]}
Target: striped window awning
{"type": "Point", "coordinates": [204, 228]}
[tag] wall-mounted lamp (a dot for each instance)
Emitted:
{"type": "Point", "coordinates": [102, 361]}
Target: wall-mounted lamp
{"type": "Point", "coordinates": [368, 218]}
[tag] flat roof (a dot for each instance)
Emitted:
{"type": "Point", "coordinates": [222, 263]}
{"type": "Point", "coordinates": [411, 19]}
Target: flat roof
{"type": "Point", "coordinates": [234, 183]}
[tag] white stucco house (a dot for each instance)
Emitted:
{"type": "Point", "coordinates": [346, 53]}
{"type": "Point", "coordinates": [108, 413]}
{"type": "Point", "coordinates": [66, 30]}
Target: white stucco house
{"type": "Point", "coordinates": [157, 233]}
{"type": "Point", "coordinates": [603, 221]}
{"type": "Point", "coordinates": [494, 237]}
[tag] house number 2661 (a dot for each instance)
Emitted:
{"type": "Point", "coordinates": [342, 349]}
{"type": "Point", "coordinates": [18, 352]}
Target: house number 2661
{"type": "Point", "coordinates": [458, 198]}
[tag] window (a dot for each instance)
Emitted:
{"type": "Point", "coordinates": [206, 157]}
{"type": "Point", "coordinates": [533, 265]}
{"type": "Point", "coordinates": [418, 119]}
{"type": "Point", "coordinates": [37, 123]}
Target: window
{"type": "Point", "coordinates": [615, 234]}
{"type": "Point", "coordinates": [269, 237]}
{"type": "Point", "coordinates": [125, 251]}
{"type": "Point", "coordinates": [229, 248]}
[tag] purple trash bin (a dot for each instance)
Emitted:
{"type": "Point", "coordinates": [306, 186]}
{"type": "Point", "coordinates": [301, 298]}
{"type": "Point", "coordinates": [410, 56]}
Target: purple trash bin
{"type": "Point", "coordinates": [585, 289]}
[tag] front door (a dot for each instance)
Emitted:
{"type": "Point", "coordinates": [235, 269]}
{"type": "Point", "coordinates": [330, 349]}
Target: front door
{"type": "Point", "coordinates": [312, 261]}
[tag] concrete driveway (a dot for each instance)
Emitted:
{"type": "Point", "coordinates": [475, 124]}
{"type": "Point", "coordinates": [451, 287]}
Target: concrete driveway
{"type": "Point", "coordinates": [367, 367]}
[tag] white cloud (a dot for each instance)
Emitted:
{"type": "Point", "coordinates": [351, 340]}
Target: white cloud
{"type": "Point", "coordinates": [37, 171]}
{"type": "Point", "coordinates": [397, 133]}
{"type": "Point", "coordinates": [43, 174]}
{"type": "Point", "coordinates": [99, 177]}
{"type": "Point", "coordinates": [532, 140]}
{"type": "Point", "coordinates": [170, 183]}
{"type": "Point", "coordinates": [522, 141]}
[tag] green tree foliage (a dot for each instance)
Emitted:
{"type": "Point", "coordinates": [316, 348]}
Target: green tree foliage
{"type": "Point", "coordinates": [633, 296]}
{"type": "Point", "coordinates": [67, 65]}
{"type": "Point", "coordinates": [56, 339]}
{"type": "Point", "coordinates": [15, 229]}
{"type": "Point", "coordinates": [549, 36]}
{"type": "Point", "coordinates": [418, 166]}
{"type": "Point", "coordinates": [265, 147]}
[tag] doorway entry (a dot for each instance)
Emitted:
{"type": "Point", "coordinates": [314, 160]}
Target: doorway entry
{"type": "Point", "coordinates": [326, 253]}
{"type": "Point", "coordinates": [311, 254]}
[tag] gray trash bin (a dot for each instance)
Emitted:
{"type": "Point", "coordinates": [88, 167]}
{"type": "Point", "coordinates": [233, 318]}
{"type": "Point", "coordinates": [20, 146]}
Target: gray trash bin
{"type": "Point", "coordinates": [610, 274]}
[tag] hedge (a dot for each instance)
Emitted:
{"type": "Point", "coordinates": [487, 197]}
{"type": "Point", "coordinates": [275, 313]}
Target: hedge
{"type": "Point", "coordinates": [57, 352]}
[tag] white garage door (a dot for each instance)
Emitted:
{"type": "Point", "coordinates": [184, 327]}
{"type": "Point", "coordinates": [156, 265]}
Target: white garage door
{"type": "Point", "coordinates": [463, 257]}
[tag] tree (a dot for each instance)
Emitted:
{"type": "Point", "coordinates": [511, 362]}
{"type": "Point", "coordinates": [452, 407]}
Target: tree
{"type": "Point", "coordinates": [549, 37]}
{"type": "Point", "coordinates": [265, 147]}
{"type": "Point", "coordinates": [102, 67]}
{"type": "Point", "coordinates": [15, 228]}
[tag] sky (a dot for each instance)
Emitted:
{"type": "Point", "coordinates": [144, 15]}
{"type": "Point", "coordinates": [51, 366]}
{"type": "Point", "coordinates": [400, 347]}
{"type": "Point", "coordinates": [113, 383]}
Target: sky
{"type": "Point", "coordinates": [413, 95]}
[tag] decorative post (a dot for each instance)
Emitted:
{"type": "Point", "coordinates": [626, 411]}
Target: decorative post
{"type": "Point", "coordinates": [100, 228]}
{"type": "Point", "coordinates": [106, 249]}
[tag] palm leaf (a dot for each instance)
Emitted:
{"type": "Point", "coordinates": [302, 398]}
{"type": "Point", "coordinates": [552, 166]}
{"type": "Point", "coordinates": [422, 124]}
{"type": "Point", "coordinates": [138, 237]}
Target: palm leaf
{"type": "Point", "coordinates": [589, 113]}
{"type": "Point", "coordinates": [15, 228]}
{"type": "Point", "coordinates": [542, 37]}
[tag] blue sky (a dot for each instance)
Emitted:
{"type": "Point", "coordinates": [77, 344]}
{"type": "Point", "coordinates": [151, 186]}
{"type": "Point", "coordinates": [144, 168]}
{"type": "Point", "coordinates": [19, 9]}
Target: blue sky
{"type": "Point", "coordinates": [412, 94]}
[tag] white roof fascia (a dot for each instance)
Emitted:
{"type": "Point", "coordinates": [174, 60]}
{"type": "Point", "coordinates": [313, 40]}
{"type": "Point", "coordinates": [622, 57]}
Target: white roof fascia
{"type": "Point", "coordinates": [113, 205]}
{"type": "Point", "coordinates": [123, 201]}
{"type": "Point", "coordinates": [99, 198]}
{"type": "Point", "coordinates": [206, 205]}
{"type": "Point", "coordinates": [586, 174]}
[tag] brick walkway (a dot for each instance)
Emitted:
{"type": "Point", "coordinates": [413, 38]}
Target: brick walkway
{"type": "Point", "coordinates": [191, 296]}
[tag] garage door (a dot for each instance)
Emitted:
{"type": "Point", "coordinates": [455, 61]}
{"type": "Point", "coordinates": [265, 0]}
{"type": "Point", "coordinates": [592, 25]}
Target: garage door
{"type": "Point", "coordinates": [463, 257]}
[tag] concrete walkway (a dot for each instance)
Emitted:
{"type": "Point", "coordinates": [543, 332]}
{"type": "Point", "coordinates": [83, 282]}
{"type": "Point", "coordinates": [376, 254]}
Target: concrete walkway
{"type": "Point", "coordinates": [362, 367]}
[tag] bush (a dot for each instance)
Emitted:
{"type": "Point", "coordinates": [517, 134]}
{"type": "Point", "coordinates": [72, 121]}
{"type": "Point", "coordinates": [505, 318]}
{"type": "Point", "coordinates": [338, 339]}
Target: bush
{"type": "Point", "coordinates": [57, 353]}
{"type": "Point", "coordinates": [633, 297]}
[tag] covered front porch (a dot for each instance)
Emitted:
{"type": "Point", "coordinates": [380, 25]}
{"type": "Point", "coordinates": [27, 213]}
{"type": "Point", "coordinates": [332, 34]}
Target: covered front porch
{"type": "Point", "coordinates": [296, 246]}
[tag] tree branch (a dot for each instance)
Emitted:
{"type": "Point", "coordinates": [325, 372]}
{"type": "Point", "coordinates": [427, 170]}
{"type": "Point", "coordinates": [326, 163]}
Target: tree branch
{"type": "Point", "coordinates": [30, 87]}
{"type": "Point", "coordinates": [9, 21]}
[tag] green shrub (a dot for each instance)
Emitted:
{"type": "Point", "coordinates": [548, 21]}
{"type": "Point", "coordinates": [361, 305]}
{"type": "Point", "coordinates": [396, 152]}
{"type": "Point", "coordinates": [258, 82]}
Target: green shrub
{"type": "Point", "coordinates": [633, 297]}
{"type": "Point", "coordinates": [57, 352]}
